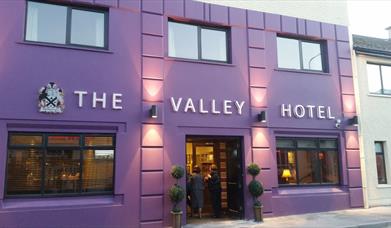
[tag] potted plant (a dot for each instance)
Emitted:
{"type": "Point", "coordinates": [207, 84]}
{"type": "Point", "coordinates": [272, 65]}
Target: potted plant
{"type": "Point", "coordinates": [177, 194]}
{"type": "Point", "coordinates": [256, 190]}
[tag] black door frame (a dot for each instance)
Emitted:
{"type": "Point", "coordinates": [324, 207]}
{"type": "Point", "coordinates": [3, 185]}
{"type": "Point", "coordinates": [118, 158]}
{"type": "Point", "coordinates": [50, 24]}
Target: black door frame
{"type": "Point", "coordinates": [216, 138]}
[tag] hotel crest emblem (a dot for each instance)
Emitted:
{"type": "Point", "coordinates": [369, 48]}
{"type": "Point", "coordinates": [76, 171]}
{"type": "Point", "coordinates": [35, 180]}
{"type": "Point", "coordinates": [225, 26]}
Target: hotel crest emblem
{"type": "Point", "coordinates": [51, 99]}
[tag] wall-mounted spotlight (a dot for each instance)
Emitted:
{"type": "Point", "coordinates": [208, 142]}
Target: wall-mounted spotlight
{"type": "Point", "coordinates": [353, 121]}
{"type": "Point", "coordinates": [153, 112]}
{"type": "Point", "coordinates": [262, 117]}
{"type": "Point", "coordinates": [337, 123]}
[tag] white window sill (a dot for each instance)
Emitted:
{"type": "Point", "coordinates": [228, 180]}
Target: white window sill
{"type": "Point", "coordinates": [379, 95]}
{"type": "Point", "coordinates": [383, 186]}
{"type": "Point", "coordinates": [314, 72]}
{"type": "Point", "coordinates": [309, 190]}
{"type": "Point", "coordinates": [71, 47]}
{"type": "Point", "coordinates": [43, 203]}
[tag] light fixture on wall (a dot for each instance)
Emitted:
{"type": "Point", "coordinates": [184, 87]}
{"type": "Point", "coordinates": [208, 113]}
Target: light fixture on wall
{"type": "Point", "coordinates": [353, 121]}
{"type": "Point", "coordinates": [337, 123]}
{"type": "Point", "coordinates": [153, 112]}
{"type": "Point", "coordinates": [262, 117]}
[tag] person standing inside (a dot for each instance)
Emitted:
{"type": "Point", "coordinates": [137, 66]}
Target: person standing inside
{"type": "Point", "coordinates": [197, 191]}
{"type": "Point", "coordinates": [214, 187]}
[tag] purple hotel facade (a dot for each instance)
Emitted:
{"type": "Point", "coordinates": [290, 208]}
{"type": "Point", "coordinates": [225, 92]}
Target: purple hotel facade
{"type": "Point", "coordinates": [136, 72]}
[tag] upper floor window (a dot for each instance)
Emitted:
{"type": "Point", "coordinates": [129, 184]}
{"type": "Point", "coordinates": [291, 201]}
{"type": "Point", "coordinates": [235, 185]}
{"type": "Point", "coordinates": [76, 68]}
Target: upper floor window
{"type": "Point", "coordinates": [59, 164]}
{"type": "Point", "coordinates": [379, 78]}
{"type": "Point", "coordinates": [300, 54]}
{"type": "Point", "coordinates": [67, 25]}
{"type": "Point", "coordinates": [380, 163]}
{"type": "Point", "coordinates": [307, 161]}
{"type": "Point", "coordinates": [197, 42]}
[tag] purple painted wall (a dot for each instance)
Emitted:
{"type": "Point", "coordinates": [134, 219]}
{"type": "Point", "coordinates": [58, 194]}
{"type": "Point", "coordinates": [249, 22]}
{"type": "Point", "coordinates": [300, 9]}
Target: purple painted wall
{"type": "Point", "coordinates": [137, 66]}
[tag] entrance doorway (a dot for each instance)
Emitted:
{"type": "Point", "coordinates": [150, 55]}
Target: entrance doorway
{"type": "Point", "coordinates": [226, 154]}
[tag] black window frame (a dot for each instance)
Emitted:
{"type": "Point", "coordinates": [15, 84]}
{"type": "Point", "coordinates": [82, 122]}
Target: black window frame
{"type": "Point", "coordinates": [314, 150]}
{"type": "Point", "coordinates": [381, 77]}
{"type": "Point", "coordinates": [323, 53]}
{"type": "Point", "coordinates": [225, 29]}
{"type": "Point", "coordinates": [68, 28]}
{"type": "Point", "coordinates": [384, 162]}
{"type": "Point", "coordinates": [43, 147]}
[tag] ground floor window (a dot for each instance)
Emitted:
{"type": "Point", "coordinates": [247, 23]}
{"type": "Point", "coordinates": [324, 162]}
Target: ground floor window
{"type": "Point", "coordinates": [307, 161]}
{"type": "Point", "coordinates": [41, 164]}
{"type": "Point", "coordinates": [380, 163]}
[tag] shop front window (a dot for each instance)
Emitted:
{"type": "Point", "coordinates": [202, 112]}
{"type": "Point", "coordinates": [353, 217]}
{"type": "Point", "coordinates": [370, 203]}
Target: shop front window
{"type": "Point", "coordinates": [307, 161]}
{"type": "Point", "coordinates": [59, 164]}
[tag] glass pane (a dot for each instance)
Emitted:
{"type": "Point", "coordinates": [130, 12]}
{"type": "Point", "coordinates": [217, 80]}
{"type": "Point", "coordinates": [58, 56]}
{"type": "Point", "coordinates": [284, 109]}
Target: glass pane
{"type": "Point", "coordinates": [386, 76]}
{"type": "Point", "coordinates": [308, 167]}
{"type": "Point", "coordinates": [98, 170]}
{"type": "Point", "coordinates": [374, 81]}
{"type": "Point", "coordinates": [62, 171]}
{"type": "Point", "coordinates": [285, 143]}
{"type": "Point", "coordinates": [304, 143]}
{"type": "Point", "coordinates": [378, 147]}
{"type": "Point", "coordinates": [312, 56]}
{"type": "Point", "coordinates": [329, 166]}
{"type": "Point", "coordinates": [326, 143]}
{"type": "Point", "coordinates": [213, 45]}
{"type": "Point", "coordinates": [288, 53]}
{"type": "Point", "coordinates": [63, 140]}
{"type": "Point", "coordinates": [381, 169]}
{"type": "Point", "coordinates": [182, 40]}
{"type": "Point", "coordinates": [32, 140]}
{"type": "Point", "coordinates": [286, 164]}
{"type": "Point", "coordinates": [98, 141]}
{"type": "Point", "coordinates": [46, 23]}
{"type": "Point", "coordinates": [24, 172]}
{"type": "Point", "coordinates": [88, 28]}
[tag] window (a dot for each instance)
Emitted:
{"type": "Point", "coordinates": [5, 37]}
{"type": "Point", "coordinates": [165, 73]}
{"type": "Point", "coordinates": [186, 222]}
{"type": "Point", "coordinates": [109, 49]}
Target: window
{"type": "Point", "coordinates": [59, 164]}
{"type": "Point", "coordinates": [302, 161]}
{"type": "Point", "coordinates": [379, 78]}
{"type": "Point", "coordinates": [300, 54]}
{"type": "Point", "coordinates": [380, 163]}
{"type": "Point", "coordinates": [58, 24]}
{"type": "Point", "coordinates": [197, 42]}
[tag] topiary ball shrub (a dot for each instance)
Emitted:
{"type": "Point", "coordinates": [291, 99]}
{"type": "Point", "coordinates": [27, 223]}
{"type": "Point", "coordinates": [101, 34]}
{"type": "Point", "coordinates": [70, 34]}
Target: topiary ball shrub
{"type": "Point", "coordinates": [177, 172]}
{"type": "Point", "coordinates": [177, 194]}
{"type": "Point", "coordinates": [255, 188]}
{"type": "Point", "coordinates": [253, 169]}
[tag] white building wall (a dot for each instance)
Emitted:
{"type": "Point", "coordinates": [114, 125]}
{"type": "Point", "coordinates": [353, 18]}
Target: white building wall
{"type": "Point", "coordinates": [334, 11]}
{"type": "Point", "coordinates": [375, 125]}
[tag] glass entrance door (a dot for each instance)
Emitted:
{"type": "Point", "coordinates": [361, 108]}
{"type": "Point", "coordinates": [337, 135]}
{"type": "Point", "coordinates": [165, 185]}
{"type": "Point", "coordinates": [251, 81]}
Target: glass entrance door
{"type": "Point", "coordinates": [226, 154]}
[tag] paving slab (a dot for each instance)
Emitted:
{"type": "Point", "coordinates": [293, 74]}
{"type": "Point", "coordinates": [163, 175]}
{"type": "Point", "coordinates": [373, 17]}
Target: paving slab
{"type": "Point", "coordinates": [377, 217]}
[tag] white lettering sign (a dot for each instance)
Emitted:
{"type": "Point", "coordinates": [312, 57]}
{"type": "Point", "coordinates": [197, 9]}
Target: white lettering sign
{"type": "Point", "coordinates": [226, 107]}
{"type": "Point", "coordinates": [99, 100]}
{"type": "Point", "coordinates": [300, 111]}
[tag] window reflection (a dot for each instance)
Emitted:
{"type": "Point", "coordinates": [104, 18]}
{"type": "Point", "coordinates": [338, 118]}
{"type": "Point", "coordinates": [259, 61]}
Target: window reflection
{"type": "Point", "coordinates": [380, 163]}
{"type": "Point", "coordinates": [299, 54]}
{"type": "Point", "coordinates": [60, 164]}
{"type": "Point", "coordinates": [62, 171]}
{"type": "Point", "coordinates": [97, 170]}
{"type": "Point", "coordinates": [305, 162]}
{"type": "Point", "coordinates": [24, 171]}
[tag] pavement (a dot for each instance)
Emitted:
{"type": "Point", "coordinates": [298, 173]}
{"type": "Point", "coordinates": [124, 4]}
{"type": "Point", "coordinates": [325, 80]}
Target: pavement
{"type": "Point", "coordinates": [376, 217]}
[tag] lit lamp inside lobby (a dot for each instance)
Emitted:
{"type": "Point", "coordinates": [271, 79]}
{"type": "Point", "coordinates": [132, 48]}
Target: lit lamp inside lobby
{"type": "Point", "coordinates": [286, 173]}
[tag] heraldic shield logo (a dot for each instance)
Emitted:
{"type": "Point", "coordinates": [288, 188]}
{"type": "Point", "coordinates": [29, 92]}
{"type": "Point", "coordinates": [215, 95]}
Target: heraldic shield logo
{"type": "Point", "coordinates": [51, 99]}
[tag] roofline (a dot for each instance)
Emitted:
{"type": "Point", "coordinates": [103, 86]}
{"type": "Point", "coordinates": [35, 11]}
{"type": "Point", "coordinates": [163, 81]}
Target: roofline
{"type": "Point", "coordinates": [372, 52]}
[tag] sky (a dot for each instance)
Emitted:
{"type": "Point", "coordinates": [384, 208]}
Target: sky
{"type": "Point", "coordinates": [369, 17]}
